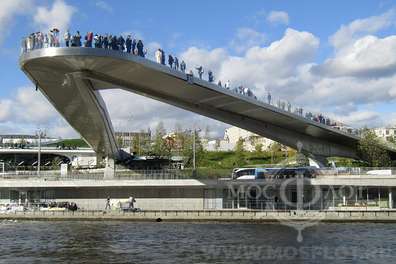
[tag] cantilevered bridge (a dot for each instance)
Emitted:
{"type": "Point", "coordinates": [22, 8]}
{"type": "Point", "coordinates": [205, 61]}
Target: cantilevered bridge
{"type": "Point", "coordinates": [71, 78]}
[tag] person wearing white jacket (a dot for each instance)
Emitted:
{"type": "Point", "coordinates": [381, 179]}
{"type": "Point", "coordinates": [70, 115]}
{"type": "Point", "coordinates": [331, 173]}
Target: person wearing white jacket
{"type": "Point", "coordinates": [46, 41]}
{"type": "Point", "coordinates": [158, 56]}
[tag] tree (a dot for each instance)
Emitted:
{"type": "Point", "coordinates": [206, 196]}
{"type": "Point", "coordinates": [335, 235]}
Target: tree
{"type": "Point", "coordinates": [159, 147]}
{"type": "Point", "coordinates": [258, 148]}
{"type": "Point", "coordinates": [276, 147]}
{"type": "Point", "coordinates": [372, 151]}
{"type": "Point", "coordinates": [240, 159]}
{"type": "Point", "coordinates": [188, 141]}
{"type": "Point", "coordinates": [120, 142]}
{"type": "Point", "coordinates": [136, 144]}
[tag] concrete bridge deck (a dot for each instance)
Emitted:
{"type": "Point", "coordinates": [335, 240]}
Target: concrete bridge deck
{"type": "Point", "coordinates": [71, 79]}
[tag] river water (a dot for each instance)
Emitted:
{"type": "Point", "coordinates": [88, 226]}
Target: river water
{"type": "Point", "coordinates": [132, 242]}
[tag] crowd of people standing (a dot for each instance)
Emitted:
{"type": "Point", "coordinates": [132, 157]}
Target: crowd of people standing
{"type": "Point", "coordinates": [134, 46]}
{"type": "Point", "coordinates": [40, 40]}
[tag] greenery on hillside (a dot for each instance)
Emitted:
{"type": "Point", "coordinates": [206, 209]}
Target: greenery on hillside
{"type": "Point", "coordinates": [372, 151]}
{"type": "Point", "coordinates": [180, 143]}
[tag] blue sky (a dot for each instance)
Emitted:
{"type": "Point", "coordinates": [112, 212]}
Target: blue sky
{"type": "Point", "coordinates": [299, 38]}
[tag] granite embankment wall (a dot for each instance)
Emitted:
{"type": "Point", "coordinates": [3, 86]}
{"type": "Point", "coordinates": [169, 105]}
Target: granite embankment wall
{"type": "Point", "coordinates": [209, 215]}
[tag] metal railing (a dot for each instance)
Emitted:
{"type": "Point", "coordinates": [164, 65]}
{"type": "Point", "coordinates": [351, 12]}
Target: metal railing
{"type": "Point", "coordinates": [96, 174]}
{"type": "Point", "coordinates": [177, 174]}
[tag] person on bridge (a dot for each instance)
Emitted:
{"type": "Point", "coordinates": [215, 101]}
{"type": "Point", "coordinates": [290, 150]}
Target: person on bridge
{"type": "Point", "coordinates": [54, 37]}
{"type": "Point", "coordinates": [162, 57]}
{"type": "Point", "coordinates": [170, 61]}
{"type": "Point", "coordinates": [105, 41]}
{"type": "Point", "coordinates": [210, 76]}
{"type": "Point", "coordinates": [114, 45]}
{"type": "Point", "coordinates": [50, 37]}
{"type": "Point", "coordinates": [140, 48]}
{"type": "Point", "coordinates": [30, 44]}
{"type": "Point", "coordinates": [200, 71]}
{"type": "Point", "coordinates": [133, 47]}
{"type": "Point", "coordinates": [66, 37]}
{"type": "Point", "coordinates": [158, 56]}
{"type": "Point", "coordinates": [176, 63]}
{"type": "Point", "coordinates": [97, 41]}
{"type": "Point", "coordinates": [88, 40]}
{"type": "Point", "coordinates": [183, 66]}
{"type": "Point", "coordinates": [121, 43]}
{"type": "Point", "coordinates": [128, 44]}
{"type": "Point", "coordinates": [110, 41]}
{"type": "Point", "coordinates": [269, 97]}
{"type": "Point", "coordinates": [46, 41]}
{"type": "Point", "coordinates": [227, 85]}
{"type": "Point", "coordinates": [219, 83]}
{"type": "Point", "coordinates": [41, 40]}
{"type": "Point", "coordinates": [77, 39]}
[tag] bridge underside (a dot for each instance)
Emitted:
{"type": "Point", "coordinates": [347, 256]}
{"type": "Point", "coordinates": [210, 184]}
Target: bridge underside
{"type": "Point", "coordinates": [71, 79]}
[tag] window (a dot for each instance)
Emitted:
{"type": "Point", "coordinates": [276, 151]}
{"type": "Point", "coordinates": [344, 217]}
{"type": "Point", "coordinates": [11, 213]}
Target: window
{"type": "Point", "coordinates": [245, 172]}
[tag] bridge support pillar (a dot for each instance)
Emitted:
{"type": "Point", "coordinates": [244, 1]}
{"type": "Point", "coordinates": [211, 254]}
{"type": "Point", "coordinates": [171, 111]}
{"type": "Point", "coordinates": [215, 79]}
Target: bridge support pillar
{"type": "Point", "coordinates": [109, 170]}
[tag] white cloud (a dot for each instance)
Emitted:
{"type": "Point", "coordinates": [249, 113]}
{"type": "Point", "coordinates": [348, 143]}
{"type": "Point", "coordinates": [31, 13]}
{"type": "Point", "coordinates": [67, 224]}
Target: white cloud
{"type": "Point", "coordinates": [8, 11]}
{"type": "Point", "coordinates": [261, 67]}
{"type": "Point", "coordinates": [136, 34]}
{"type": "Point", "coordinates": [212, 59]}
{"type": "Point", "coordinates": [278, 17]}
{"type": "Point", "coordinates": [340, 87]}
{"type": "Point", "coordinates": [104, 6]}
{"type": "Point", "coordinates": [28, 110]}
{"type": "Point", "coordinates": [368, 56]}
{"type": "Point", "coordinates": [246, 38]}
{"type": "Point", "coordinates": [57, 16]}
{"type": "Point", "coordinates": [347, 34]}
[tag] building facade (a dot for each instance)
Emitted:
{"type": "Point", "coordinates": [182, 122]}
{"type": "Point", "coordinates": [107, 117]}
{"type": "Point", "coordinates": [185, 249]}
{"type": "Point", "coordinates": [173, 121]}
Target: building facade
{"type": "Point", "coordinates": [231, 137]}
{"type": "Point", "coordinates": [21, 140]}
{"type": "Point", "coordinates": [386, 133]}
{"type": "Point", "coordinates": [135, 141]}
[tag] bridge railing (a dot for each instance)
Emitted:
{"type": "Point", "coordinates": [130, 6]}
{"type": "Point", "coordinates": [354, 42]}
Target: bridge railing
{"type": "Point", "coordinates": [176, 174]}
{"type": "Point", "coordinates": [94, 174]}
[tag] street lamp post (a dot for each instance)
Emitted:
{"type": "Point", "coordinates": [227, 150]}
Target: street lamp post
{"type": "Point", "coordinates": [40, 134]}
{"type": "Point", "coordinates": [194, 149]}
{"type": "Point", "coordinates": [194, 166]}
{"type": "Point", "coordinates": [39, 153]}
